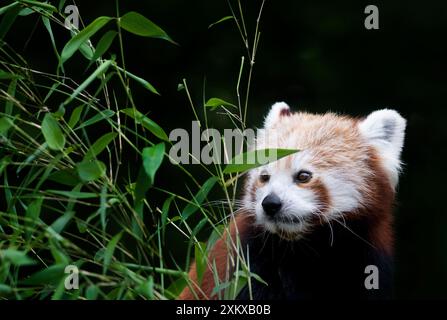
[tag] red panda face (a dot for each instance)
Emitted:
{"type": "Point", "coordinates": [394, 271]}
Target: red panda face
{"type": "Point", "coordinates": [343, 166]}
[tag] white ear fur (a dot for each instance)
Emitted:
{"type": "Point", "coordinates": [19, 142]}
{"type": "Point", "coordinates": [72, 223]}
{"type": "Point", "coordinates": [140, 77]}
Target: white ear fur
{"type": "Point", "coordinates": [385, 129]}
{"type": "Point", "coordinates": [278, 110]}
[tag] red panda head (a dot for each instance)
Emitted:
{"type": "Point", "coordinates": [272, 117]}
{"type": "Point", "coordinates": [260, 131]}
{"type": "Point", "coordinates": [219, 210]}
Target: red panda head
{"type": "Point", "coordinates": [346, 167]}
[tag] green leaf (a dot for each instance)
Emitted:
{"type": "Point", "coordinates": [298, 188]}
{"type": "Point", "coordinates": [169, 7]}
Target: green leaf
{"type": "Point", "coordinates": [103, 207]}
{"type": "Point", "coordinates": [12, 92]}
{"type": "Point", "coordinates": [110, 249]}
{"type": "Point", "coordinates": [32, 214]}
{"type": "Point", "coordinates": [147, 288]}
{"type": "Point", "coordinates": [91, 293]}
{"type": "Point", "coordinates": [35, 154]}
{"type": "Point", "coordinates": [152, 159]}
{"type": "Point", "coordinates": [66, 177]}
{"type": "Point", "coordinates": [141, 186]}
{"type": "Point", "coordinates": [50, 275]}
{"type": "Point", "coordinates": [146, 123]}
{"type": "Point", "coordinates": [141, 81]}
{"type": "Point", "coordinates": [137, 24]}
{"type": "Point", "coordinates": [91, 170]}
{"type": "Point", "coordinates": [215, 235]}
{"type": "Point", "coordinates": [17, 258]}
{"type": "Point", "coordinates": [8, 76]}
{"type": "Point", "coordinates": [85, 34]}
{"type": "Point", "coordinates": [258, 278]}
{"type": "Point", "coordinates": [237, 286]}
{"type": "Point", "coordinates": [5, 289]}
{"type": "Point", "coordinates": [5, 125]}
{"type": "Point", "coordinates": [199, 197]}
{"type": "Point", "coordinates": [213, 103]}
{"type": "Point", "coordinates": [52, 133]}
{"type": "Point", "coordinates": [96, 74]}
{"type": "Point", "coordinates": [74, 194]}
{"type": "Point", "coordinates": [75, 116]}
{"type": "Point", "coordinates": [252, 159]}
{"type": "Point", "coordinates": [86, 50]}
{"type": "Point", "coordinates": [4, 162]}
{"type": "Point", "coordinates": [8, 20]}
{"type": "Point", "coordinates": [164, 214]}
{"type": "Point", "coordinates": [220, 287]}
{"type": "Point", "coordinates": [102, 115]}
{"type": "Point", "coordinates": [176, 287]}
{"type": "Point", "coordinates": [104, 44]}
{"type": "Point", "coordinates": [200, 256]}
{"type": "Point", "coordinates": [99, 145]}
{"type": "Point", "coordinates": [220, 21]}
{"type": "Point", "coordinates": [61, 222]}
{"type": "Point", "coordinates": [47, 24]}
{"type": "Point", "coordinates": [9, 6]}
{"type": "Point", "coordinates": [26, 12]}
{"type": "Point", "coordinates": [38, 4]}
{"type": "Point", "coordinates": [59, 255]}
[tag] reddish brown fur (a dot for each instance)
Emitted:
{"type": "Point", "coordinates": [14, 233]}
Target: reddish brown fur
{"type": "Point", "coordinates": [321, 191]}
{"type": "Point", "coordinates": [380, 200]}
{"type": "Point", "coordinates": [219, 254]}
{"type": "Point", "coordinates": [378, 206]}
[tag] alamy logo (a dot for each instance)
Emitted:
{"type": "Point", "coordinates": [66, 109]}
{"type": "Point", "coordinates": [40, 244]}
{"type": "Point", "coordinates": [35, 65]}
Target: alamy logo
{"type": "Point", "coordinates": [372, 20]}
{"type": "Point", "coordinates": [372, 280]}
{"type": "Point", "coordinates": [72, 279]}
{"type": "Point", "coordinates": [72, 19]}
{"type": "Point", "coordinates": [211, 147]}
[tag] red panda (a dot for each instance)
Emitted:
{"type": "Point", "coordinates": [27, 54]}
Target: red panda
{"type": "Point", "coordinates": [313, 221]}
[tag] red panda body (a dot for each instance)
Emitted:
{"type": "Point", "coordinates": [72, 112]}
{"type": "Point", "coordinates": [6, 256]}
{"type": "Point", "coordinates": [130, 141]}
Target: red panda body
{"type": "Point", "coordinates": [314, 222]}
{"type": "Point", "coordinates": [315, 268]}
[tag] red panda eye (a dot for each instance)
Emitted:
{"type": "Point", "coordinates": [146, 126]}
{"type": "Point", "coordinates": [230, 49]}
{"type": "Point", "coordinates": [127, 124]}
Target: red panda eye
{"type": "Point", "coordinates": [264, 178]}
{"type": "Point", "coordinates": [302, 176]}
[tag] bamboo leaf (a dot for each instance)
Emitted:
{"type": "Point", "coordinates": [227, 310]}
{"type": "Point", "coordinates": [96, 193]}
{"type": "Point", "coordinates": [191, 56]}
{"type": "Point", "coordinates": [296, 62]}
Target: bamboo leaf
{"type": "Point", "coordinates": [74, 194]}
{"type": "Point", "coordinates": [52, 133]}
{"type": "Point", "coordinates": [199, 197]}
{"type": "Point", "coordinates": [99, 145]}
{"type": "Point", "coordinates": [82, 36]}
{"type": "Point", "coordinates": [220, 21]}
{"type": "Point", "coordinates": [91, 170]}
{"type": "Point", "coordinates": [104, 44]}
{"type": "Point", "coordinates": [38, 4]}
{"type": "Point", "coordinates": [75, 116]}
{"type": "Point", "coordinates": [213, 103]}
{"type": "Point", "coordinates": [50, 275]}
{"type": "Point", "coordinates": [141, 81]}
{"type": "Point", "coordinates": [17, 258]}
{"type": "Point", "coordinates": [5, 125]}
{"type": "Point", "coordinates": [97, 73]}
{"type": "Point", "coordinates": [200, 257]}
{"type": "Point", "coordinates": [102, 115]}
{"type": "Point", "coordinates": [146, 123]}
{"type": "Point", "coordinates": [135, 23]}
{"type": "Point", "coordinates": [152, 159]}
{"type": "Point", "coordinates": [252, 159]}
{"type": "Point", "coordinates": [110, 249]}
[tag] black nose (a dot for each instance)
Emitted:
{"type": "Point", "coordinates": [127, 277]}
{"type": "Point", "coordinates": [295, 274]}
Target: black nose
{"type": "Point", "coordinates": [271, 204]}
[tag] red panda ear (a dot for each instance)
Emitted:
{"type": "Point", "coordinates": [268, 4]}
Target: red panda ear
{"type": "Point", "coordinates": [385, 130]}
{"type": "Point", "coordinates": [277, 111]}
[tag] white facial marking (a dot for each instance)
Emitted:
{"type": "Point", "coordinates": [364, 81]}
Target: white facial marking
{"type": "Point", "coordinates": [298, 203]}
